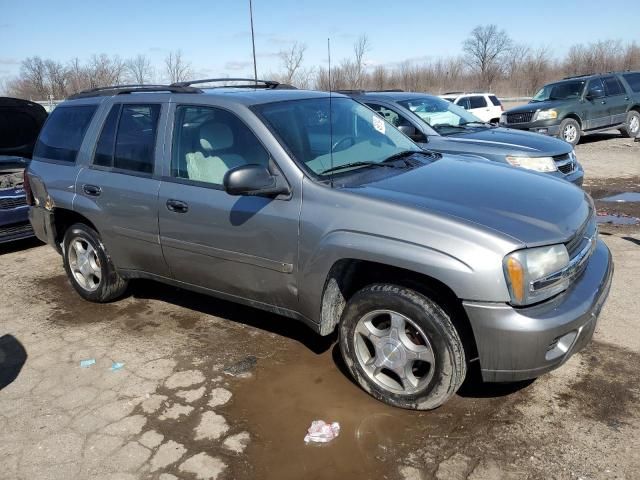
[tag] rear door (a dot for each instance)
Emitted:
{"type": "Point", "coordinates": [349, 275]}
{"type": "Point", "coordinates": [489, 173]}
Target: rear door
{"type": "Point", "coordinates": [596, 113]}
{"type": "Point", "coordinates": [118, 191]}
{"type": "Point", "coordinates": [479, 107]}
{"type": "Point", "coordinates": [617, 99]}
{"type": "Point", "coordinates": [239, 246]}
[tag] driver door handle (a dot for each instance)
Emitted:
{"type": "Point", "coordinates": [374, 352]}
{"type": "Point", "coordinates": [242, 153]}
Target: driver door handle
{"type": "Point", "coordinates": [177, 206]}
{"type": "Point", "coordinates": [92, 190]}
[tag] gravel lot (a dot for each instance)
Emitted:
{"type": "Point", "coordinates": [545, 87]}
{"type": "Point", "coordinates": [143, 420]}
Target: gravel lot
{"type": "Point", "coordinates": [210, 389]}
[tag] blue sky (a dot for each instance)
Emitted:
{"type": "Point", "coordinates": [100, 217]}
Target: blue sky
{"type": "Point", "coordinates": [214, 34]}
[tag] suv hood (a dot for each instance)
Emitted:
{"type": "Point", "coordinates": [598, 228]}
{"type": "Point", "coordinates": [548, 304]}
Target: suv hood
{"type": "Point", "coordinates": [533, 208]}
{"type": "Point", "coordinates": [533, 106]}
{"type": "Point", "coordinates": [20, 124]}
{"type": "Point", "coordinates": [507, 141]}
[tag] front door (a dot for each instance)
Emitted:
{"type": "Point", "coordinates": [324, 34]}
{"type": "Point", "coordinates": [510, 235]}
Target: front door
{"type": "Point", "coordinates": [240, 246]}
{"type": "Point", "coordinates": [118, 192]}
{"type": "Point", "coordinates": [597, 110]}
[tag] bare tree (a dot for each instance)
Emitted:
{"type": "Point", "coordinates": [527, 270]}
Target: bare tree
{"type": "Point", "coordinates": [104, 71]}
{"type": "Point", "coordinates": [485, 50]}
{"type": "Point", "coordinates": [56, 78]}
{"type": "Point", "coordinates": [139, 69]}
{"type": "Point", "coordinates": [77, 76]}
{"type": "Point", "coordinates": [291, 60]}
{"type": "Point", "coordinates": [33, 76]}
{"type": "Point", "coordinates": [177, 68]}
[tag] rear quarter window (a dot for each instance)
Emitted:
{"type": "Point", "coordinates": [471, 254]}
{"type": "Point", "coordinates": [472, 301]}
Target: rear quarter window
{"type": "Point", "coordinates": [62, 134]}
{"type": "Point", "coordinates": [494, 100]}
{"type": "Point", "coordinates": [633, 79]}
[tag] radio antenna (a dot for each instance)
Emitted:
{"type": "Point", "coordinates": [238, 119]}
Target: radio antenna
{"type": "Point", "coordinates": [253, 43]}
{"type": "Point", "coordinates": [330, 111]}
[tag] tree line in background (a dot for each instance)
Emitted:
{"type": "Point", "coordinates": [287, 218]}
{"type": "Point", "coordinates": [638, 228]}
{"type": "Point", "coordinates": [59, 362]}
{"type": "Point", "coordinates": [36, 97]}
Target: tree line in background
{"type": "Point", "coordinates": [490, 60]}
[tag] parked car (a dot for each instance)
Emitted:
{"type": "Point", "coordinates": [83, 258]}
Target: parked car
{"type": "Point", "coordinates": [486, 106]}
{"type": "Point", "coordinates": [441, 126]}
{"type": "Point", "coordinates": [582, 105]}
{"type": "Point", "coordinates": [312, 206]}
{"type": "Point", "coordinates": [20, 123]}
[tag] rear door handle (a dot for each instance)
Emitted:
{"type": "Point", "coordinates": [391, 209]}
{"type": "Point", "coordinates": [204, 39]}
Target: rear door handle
{"type": "Point", "coordinates": [177, 206]}
{"type": "Point", "coordinates": [92, 190]}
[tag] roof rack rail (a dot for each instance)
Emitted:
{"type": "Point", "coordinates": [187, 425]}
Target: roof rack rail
{"type": "Point", "coordinates": [252, 81]}
{"type": "Point", "coordinates": [134, 88]}
{"type": "Point", "coordinates": [579, 76]}
{"type": "Point", "coordinates": [346, 91]}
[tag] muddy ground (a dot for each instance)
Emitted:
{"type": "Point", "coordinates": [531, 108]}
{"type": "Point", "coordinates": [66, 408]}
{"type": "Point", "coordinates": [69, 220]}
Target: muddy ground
{"type": "Point", "coordinates": [210, 389]}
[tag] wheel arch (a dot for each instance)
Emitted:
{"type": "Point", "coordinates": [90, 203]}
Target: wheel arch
{"type": "Point", "coordinates": [348, 275]}
{"type": "Point", "coordinates": [64, 218]}
{"type": "Point", "coordinates": [575, 117]}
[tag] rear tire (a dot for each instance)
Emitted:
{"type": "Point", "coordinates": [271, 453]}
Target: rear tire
{"type": "Point", "coordinates": [88, 266]}
{"type": "Point", "coordinates": [632, 126]}
{"type": "Point", "coordinates": [570, 131]}
{"type": "Point", "coordinates": [401, 347]}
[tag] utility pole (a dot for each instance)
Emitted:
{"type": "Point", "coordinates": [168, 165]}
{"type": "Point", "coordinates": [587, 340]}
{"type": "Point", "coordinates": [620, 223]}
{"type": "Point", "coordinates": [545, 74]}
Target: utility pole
{"type": "Point", "coordinates": [253, 42]}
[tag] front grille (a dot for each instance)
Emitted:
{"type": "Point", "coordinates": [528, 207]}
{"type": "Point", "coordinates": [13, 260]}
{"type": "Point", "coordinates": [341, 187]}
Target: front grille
{"type": "Point", "coordinates": [577, 243]}
{"type": "Point", "coordinates": [565, 163]}
{"type": "Point", "coordinates": [9, 203]}
{"type": "Point", "coordinates": [523, 117]}
{"type": "Point", "coordinates": [15, 229]}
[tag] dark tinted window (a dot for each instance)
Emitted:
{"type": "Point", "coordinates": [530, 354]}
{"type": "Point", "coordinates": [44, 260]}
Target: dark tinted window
{"type": "Point", "coordinates": [464, 103]}
{"type": "Point", "coordinates": [595, 88]}
{"type": "Point", "coordinates": [62, 135]}
{"type": "Point", "coordinates": [494, 100]}
{"type": "Point", "coordinates": [106, 142]}
{"type": "Point", "coordinates": [477, 102]}
{"type": "Point", "coordinates": [208, 141]}
{"type": "Point", "coordinates": [612, 86]}
{"type": "Point", "coordinates": [397, 120]}
{"type": "Point", "coordinates": [633, 79]}
{"type": "Point", "coordinates": [136, 138]}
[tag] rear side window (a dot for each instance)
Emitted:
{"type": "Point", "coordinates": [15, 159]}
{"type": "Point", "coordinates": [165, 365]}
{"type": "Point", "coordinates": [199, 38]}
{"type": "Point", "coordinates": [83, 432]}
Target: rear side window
{"type": "Point", "coordinates": [477, 102]}
{"type": "Point", "coordinates": [464, 103]}
{"type": "Point", "coordinates": [612, 86]}
{"type": "Point", "coordinates": [128, 137]}
{"type": "Point", "coordinates": [633, 79]}
{"type": "Point", "coordinates": [494, 100]}
{"type": "Point", "coordinates": [62, 134]}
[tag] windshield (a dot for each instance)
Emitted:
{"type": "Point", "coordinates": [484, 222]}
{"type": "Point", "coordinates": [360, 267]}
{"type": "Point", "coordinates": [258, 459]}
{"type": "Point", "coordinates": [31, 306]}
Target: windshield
{"type": "Point", "coordinates": [355, 133]}
{"type": "Point", "coordinates": [443, 116]}
{"type": "Point", "coordinates": [559, 91]}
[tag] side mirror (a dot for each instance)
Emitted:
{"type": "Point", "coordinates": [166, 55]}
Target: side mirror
{"type": "Point", "coordinates": [254, 180]}
{"type": "Point", "coordinates": [595, 94]}
{"type": "Point", "coordinates": [408, 130]}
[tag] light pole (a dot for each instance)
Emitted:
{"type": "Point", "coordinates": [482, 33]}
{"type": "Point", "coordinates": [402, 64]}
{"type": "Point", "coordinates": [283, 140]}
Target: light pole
{"type": "Point", "coordinates": [253, 42]}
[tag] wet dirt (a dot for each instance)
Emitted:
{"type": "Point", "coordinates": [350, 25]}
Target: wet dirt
{"type": "Point", "coordinates": [615, 215]}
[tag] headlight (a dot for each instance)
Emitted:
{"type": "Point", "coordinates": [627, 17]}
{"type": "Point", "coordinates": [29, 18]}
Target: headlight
{"type": "Point", "coordinates": [503, 118]}
{"type": "Point", "coordinates": [545, 115]}
{"type": "Point", "coordinates": [539, 164]}
{"type": "Point", "coordinates": [531, 273]}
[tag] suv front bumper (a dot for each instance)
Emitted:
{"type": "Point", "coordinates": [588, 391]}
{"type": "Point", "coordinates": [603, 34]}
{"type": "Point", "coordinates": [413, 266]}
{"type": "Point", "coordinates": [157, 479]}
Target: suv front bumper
{"type": "Point", "coordinates": [522, 343]}
{"type": "Point", "coordinates": [545, 127]}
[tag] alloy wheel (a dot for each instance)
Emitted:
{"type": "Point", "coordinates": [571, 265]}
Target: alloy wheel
{"type": "Point", "coordinates": [85, 264]}
{"type": "Point", "coordinates": [570, 133]}
{"type": "Point", "coordinates": [393, 351]}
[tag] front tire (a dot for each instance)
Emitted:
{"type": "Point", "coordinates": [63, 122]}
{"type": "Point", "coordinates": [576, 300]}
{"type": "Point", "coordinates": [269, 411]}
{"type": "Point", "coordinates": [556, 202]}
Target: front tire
{"type": "Point", "coordinates": [632, 126]}
{"type": "Point", "coordinates": [570, 131]}
{"type": "Point", "coordinates": [401, 347]}
{"type": "Point", "coordinates": [88, 266]}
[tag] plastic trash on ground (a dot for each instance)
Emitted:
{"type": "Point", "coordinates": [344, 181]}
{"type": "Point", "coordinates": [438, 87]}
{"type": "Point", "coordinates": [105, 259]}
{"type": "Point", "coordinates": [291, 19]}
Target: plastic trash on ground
{"type": "Point", "coordinates": [116, 366]}
{"type": "Point", "coordinates": [87, 363]}
{"type": "Point", "coordinates": [322, 432]}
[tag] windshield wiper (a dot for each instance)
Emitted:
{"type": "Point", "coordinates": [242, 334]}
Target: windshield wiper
{"type": "Point", "coordinates": [464, 124]}
{"type": "Point", "coordinates": [357, 164]}
{"type": "Point", "coordinates": [387, 162]}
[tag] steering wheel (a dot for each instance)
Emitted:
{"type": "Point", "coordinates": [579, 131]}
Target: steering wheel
{"type": "Point", "coordinates": [351, 140]}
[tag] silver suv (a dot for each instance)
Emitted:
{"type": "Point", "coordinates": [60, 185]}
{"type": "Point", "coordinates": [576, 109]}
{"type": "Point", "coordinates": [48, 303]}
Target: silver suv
{"type": "Point", "coordinates": [312, 206]}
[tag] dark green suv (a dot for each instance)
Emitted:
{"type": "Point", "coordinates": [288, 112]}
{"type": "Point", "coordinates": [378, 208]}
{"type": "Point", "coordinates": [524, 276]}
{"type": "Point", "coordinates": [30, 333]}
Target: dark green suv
{"type": "Point", "coordinates": [581, 105]}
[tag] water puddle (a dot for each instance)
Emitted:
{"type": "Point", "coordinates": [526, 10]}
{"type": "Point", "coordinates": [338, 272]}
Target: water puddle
{"type": "Point", "coordinates": [279, 403]}
{"type": "Point", "coordinates": [617, 220]}
{"type": "Point", "coordinates": [623, 197]}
